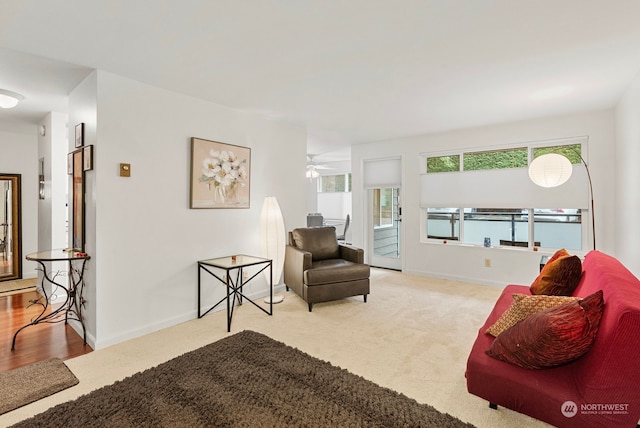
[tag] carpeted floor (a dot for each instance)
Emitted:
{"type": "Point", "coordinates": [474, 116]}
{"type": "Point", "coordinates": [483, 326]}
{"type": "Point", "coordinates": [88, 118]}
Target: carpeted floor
{"type": "Point", "coordinates": [412, 336]}
{"type": "Point", "coordinates": [245, 380]}
{"type": "Point", "coordinates": [27, 384]}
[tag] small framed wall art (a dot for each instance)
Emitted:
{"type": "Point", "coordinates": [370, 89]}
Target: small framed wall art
{"type": "Point", "coordinates": [220, 175]}
{"type": "Point", "coordinates": [87, 158]}
{"type": "Point", "coordinates": [80, 135]}
{"type": "Point", "coordinates": [70, 163]}
{"type": "Point", "coordinates": [41, 179]}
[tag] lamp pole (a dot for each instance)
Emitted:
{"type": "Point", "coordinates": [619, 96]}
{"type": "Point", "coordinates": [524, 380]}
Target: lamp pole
{"type": "Point", "coordinates": [593, 216]}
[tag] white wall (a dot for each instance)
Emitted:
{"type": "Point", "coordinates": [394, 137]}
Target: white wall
{"type": "Point", "coordinates": [52, 148]}
{"type": "Point", "coordinates": [19, 155]}
{"type": "Point", "coordinates": [627, 178]}
{"type": "Point", "coordinates": [143, 238]}
{"type": "Point", "coordinates": [466, 263]}
{"type": "Point", "coordinates": [44, 205]}
{"type": "Point", "coordinates": [312, 195]}
{"type": "Point", "coordinates": [83, 109]}
{"type": "Point", "coordinates": [59, 177]}
{"type": "Point", "coordinates": [334, 205]}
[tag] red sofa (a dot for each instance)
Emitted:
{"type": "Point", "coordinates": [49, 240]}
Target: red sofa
{"type": "Point", "coordinates": [599, 389]}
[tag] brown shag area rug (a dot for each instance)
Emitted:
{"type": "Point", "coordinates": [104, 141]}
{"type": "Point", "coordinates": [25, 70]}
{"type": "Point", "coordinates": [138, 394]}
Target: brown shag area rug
{"type": "Point", "coordinates": [244, 380]}
{"type": "Point", "coordinates": [27, 384]}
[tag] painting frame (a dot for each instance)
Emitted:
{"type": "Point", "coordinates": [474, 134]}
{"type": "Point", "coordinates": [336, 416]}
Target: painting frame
{"type": "Point", "coordinates": [78, 223]}
{"type": "Point", "coordinates": [79, 135]}
{"type": "Point", "coordinates": [87, 158]}
{"type": "Point", "coordinates": [41, 188]}
{"type": "Point", "coordinates": [220, 175]}
{"type": "Point", "coordinates": [70, 163]}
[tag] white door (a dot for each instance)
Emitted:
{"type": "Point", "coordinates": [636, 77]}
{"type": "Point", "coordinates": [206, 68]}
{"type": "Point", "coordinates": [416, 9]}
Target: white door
{"type": "Point", "coordinates": [385, 219]}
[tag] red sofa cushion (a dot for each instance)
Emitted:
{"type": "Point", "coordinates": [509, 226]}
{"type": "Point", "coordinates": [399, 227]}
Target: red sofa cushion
{"type": "Point", "coordinates": [551, 337]}
{"type": "Point", "coordinates": [524, 305]}
{"type": "Point", "coordinates": [559, 276]}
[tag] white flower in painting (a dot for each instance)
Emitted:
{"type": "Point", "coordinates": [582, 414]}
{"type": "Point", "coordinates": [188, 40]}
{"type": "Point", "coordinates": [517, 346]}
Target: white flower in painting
{"type": "Point", "coordinates": [223, 170]}
{"type": "Point", "coordinates": [242, 173]}
{"type": "Point", "coordinates": [210, 167]}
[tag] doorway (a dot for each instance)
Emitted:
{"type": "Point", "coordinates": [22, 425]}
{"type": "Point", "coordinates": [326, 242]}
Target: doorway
{"type": "Point", "coordinates": [385, 220]}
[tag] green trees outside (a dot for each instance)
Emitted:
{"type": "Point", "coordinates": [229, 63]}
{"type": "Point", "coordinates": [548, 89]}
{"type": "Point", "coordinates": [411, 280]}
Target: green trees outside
{"type": "Point", "coordinates": [498, 159]}
{"type": "Point", "coordinates": [443, 163]}
{"type": "Point", "coordinates": [512, 158]}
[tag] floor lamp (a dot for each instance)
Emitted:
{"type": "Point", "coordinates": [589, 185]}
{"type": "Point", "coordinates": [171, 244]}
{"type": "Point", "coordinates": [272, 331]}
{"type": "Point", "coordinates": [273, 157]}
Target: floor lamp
{"type": "Point", "coordinates": [553, 170]}
{"type": "Point", "coordinates": [272, 240]}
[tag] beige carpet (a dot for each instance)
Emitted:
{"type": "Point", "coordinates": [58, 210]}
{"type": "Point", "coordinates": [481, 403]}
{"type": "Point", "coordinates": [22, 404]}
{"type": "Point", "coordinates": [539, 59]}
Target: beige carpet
{"type": "Point", "coordinates": [413, 336]}
{"type": "Point", "coordinates": [7, 288]}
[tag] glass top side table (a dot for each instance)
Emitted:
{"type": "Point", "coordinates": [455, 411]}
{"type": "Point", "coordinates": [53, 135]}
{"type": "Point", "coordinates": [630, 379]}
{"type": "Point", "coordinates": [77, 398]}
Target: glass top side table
{"type": "Point", "coordinates": [234, 283]}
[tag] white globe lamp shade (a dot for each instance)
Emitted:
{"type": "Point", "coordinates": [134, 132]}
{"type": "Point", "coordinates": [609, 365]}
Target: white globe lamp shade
{"type": "Point", "coordinates": [550, 170]}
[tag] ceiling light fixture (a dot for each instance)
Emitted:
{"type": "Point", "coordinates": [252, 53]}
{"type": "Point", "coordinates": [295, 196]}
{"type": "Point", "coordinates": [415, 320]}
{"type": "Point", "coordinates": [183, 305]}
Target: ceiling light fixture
{"type": "Point", "coordinates": [312, 172]}
{"type": "Point", "coordinates": [9, 99]}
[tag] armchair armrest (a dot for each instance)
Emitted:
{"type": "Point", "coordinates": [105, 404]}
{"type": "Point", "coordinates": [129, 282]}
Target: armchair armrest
{"type": "Point", "coordinates": [296, 262]}
{"type": "Point", "coordinates": [352, 254]}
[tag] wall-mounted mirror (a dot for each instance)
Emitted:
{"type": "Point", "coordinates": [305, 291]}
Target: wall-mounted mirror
{"type": "Point", "coordinates": [10, 230]}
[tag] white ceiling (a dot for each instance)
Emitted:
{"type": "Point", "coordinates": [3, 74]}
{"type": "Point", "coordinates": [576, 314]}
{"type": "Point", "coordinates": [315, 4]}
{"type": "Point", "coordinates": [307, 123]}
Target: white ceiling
{"type": "Point", "coordinates": [350, 71]}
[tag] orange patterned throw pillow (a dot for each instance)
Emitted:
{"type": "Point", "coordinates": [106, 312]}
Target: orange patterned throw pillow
{"type": "Point", "coordinates": [560, 276]}
{"type": "Point", "coordinates": [551, 337]}
{"type": "Point", "coordinates": [524, 305]}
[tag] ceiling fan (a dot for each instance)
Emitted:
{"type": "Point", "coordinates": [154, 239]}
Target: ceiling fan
{"type": "Point", "coordinates": [312, 168]}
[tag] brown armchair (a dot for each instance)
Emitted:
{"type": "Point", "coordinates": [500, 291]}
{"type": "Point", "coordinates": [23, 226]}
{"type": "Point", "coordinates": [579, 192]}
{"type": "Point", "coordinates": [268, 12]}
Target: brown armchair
{"type": "Point", "coordinates": [319, 269]}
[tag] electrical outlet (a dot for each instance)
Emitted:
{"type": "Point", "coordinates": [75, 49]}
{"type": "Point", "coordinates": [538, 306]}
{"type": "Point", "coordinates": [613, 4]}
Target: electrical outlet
{"type": "Point", "coordinates": [487, 262]}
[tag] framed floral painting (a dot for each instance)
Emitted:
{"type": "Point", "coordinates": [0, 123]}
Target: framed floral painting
{"type": "Point", "coordinates": [220, 175]}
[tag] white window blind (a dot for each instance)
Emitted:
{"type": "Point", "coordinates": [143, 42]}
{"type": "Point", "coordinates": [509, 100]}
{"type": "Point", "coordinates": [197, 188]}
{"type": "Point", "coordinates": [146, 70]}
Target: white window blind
{"type": "Point", "coordinates": [378, 174]}
{"type": "Point", "coordinates": [502, 188]}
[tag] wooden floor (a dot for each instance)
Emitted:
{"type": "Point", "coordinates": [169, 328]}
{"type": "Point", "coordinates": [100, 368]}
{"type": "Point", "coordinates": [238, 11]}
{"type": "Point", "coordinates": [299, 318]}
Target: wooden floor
{"type": "Point", "coordinates": [34, 343]}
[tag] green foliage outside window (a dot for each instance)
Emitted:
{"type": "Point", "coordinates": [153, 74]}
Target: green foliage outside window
{"type": "Point", "coordinates": [443, 163]}
{"type": "Point", "coordinates": [571, 151]}
{"type": "Point", "coordinates": [499, 159]}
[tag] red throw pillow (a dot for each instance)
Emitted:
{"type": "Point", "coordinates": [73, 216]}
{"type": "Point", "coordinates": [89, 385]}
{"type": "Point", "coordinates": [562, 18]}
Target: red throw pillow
{"type": "Point", "coordinates": [523, 306]}
{"type": "Point", "coordinates": [551, 337]}
{"type": "Point", "coordinates": [560, 276]}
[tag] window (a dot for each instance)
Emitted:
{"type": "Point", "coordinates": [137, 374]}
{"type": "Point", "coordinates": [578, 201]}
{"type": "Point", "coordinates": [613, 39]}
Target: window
{"type": "Point", "coordinates": [383, 206]}
{"type": "Point", "coordinates": [558, 228]}
{"type": "Point", "coordinates": [503, 226]}
{"type": "Point", "coordinates": [552, 228]}
{"type": "Point", "coordinates": [504, 203]}
{"type": "Point", "coordinates": [443, 163]}
{"type": "Point", "coordinates": [335, 183]}
{"type": "Point", "coordinates": [571, 151]}
{"type": "Point", "coordinates": [496, 159]}
{"type": "Point", "coordinates": [443, 223]}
